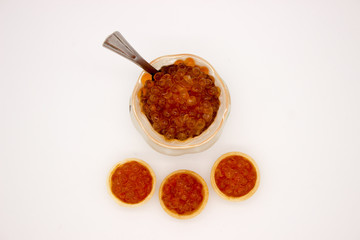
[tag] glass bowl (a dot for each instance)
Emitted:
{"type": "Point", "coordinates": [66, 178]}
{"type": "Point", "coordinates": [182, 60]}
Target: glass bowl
{"type": "Point", "coordinates": [192, 145]}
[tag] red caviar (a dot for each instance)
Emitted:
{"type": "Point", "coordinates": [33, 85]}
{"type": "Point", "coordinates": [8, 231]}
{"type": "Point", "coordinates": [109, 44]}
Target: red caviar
{"type": "Point", "coordinates": [182, 193]}
{"type": "Point", "coordinates": [181, 101]}
{"type": "Point", "coordinates": [131, 182]}
{"type": "Point", "coordinates": [235, 176]}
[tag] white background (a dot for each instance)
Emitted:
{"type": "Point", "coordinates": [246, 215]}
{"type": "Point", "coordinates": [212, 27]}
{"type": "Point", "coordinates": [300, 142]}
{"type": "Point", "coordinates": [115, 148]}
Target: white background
{"type": "Point", "coordinates": [293, 70]}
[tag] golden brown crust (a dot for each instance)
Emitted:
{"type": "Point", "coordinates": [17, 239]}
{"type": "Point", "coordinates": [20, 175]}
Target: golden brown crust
{"type": "Point", "coordinates": [205, 194]}
{"type": "Point", "coordinates": [220, 193]}
{"type": "Point", "coordinates": [152, 189]}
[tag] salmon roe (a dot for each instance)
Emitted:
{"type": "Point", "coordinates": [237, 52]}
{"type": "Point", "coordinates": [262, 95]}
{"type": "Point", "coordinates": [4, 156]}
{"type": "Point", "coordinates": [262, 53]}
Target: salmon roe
{"type": "Point", "coordinates": [235, 176]}
{"type": "Point", "coordinates": [131, 182]}
{"type": "Point", "coordinates": [182, 193]}
{"type": "Point", "coordinates": [181, 100]}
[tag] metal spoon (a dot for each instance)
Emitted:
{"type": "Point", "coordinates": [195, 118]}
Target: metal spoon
{"type": "Point", "coordinates": [117, 43]}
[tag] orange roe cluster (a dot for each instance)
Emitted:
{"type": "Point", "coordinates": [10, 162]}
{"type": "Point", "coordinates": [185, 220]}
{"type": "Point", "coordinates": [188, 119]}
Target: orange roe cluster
{"type": "Point", "coordinates": [182, 193]}
{"type": "Point", "coordinates": [131, 182]}
{"type": "Point", "coordinates": [181, 100]}
{"type": "Point", "coordinates": [235, 176]}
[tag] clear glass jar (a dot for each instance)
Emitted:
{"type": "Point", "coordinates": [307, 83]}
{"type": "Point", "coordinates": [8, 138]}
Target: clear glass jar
{"type": "Point", "coordinates": [191, 145]}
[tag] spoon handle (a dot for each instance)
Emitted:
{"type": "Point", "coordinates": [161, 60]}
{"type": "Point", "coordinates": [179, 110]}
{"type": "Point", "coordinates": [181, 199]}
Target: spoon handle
{"type": "Point", "coordinates": [117, 43]}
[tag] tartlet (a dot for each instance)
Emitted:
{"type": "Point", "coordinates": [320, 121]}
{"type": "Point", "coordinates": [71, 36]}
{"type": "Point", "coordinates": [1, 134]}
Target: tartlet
{"type": "Point", "coordinates": [235, 176]}
{"type": "Point", "coordinates": [183, 194]}
{"type": "Point", "coordinates": [131, 182]}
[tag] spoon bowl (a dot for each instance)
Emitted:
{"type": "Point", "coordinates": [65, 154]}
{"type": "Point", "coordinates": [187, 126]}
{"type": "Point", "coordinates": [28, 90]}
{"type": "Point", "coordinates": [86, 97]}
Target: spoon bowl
{"type": "Point", "coordinates": [117, 43]}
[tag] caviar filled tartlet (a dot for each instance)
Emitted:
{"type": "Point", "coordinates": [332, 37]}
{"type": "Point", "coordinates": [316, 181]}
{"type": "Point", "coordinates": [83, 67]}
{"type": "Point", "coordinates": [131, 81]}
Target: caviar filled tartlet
{"type": "Point", "coordinates": [235, 176]}
{"type": "Point", "coordinates": [183, 194]}
{"type": "Point", "coordinates": [131, 182]}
